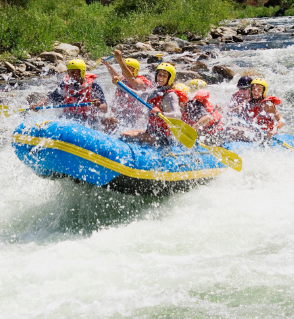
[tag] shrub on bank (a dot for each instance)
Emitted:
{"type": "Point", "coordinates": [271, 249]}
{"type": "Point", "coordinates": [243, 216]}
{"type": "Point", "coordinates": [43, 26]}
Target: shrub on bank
{"type": "Point", "coordinates": [37, 24]}
{"type": "Point", "coordinates": [256, 12]}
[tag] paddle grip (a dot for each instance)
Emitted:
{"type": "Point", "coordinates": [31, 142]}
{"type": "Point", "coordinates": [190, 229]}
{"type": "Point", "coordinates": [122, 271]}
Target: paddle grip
{"type": "Point", "coordinates": [127, 90]}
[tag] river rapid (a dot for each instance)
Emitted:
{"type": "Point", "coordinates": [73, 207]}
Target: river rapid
{"type": "Point", "coordinates": [225, 249]}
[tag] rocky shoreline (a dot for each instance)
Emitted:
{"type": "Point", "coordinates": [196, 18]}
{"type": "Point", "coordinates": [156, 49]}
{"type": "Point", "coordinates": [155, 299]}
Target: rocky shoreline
{"type": "Point", "coordinates": [191, 65]}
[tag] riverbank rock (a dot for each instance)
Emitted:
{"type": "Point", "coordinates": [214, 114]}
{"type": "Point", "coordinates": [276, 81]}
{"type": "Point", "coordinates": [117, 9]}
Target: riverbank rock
{"type": "Point", "coordinates": [278, 29]}
{"type": "Point", "coordinates": [224, 72]}
{"type": "Point", "coordinates": [21, 67]}
{"type": "Point", "coordinates": [211, 78]}
{"type": "Point", "coordinates": [30, 66]}
{"type": "Point", "coordinates": [198, 65]}
{"type": "Point", "coordinates": [220, 32]}
{"type": "Point", "coordinates": [193, 36]}
{"type": "Point", "coordinates": [61, 67]}
{"type": "Point", "coordinates": [67, 49]}
{"type": "Point", "coordinates": [183, 75]}
{"type": "Point", "coordinates": [180, 42]}
{"type": "Point", "coordinates": [144, 46]}
{"type": "Point", "coordinates": [51, 56]}
{"type": "Point", "coordinates": [171, 47]}
{"type": "Point", "coordinates": [9, 66]}
{"type": "Point", "coordinates": [146, 54]}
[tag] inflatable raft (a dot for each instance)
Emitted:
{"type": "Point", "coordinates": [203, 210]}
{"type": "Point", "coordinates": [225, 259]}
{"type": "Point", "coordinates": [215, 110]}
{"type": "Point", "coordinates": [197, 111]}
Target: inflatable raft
{"type": "Point", "coordinates": [66, 148]}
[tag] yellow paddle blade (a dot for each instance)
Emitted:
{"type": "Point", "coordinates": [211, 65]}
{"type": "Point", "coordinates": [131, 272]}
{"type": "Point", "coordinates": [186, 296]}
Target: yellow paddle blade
{"type": "Point", "coordinates": [181, 131]}
{"type": "Point", "coordinates": [3, 109]}
{"type": "Point", "coordinates": [97, 63]}
{"type": "Point", "coordinates": [225, 156]}
{"type": "Point", "coordinates": [8, 112]}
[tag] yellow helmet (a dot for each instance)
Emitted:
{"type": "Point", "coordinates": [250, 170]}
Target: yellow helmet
{"type": "Point", "coordinates": [261, 82]}
{"type": "Point", "coordinates": [134, 64]}
{"type": "Point", "coordinates": [77, 64]}
{"type": "Point", "coordinates": [170, 69]}
{"type": "Point", "coordinates": [197, 84]}
{"type": "Point", "coordinates": [182, 87]}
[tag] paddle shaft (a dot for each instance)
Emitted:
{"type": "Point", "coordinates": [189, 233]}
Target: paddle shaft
{"type": "Point", "coordinates": [110, 57]}
{"type": "Point", "coordinates": [61, 106]}
{"type": "Point", "coordinates": [122, 86]}
{"type": "Point", "coordinates": [7, 110]}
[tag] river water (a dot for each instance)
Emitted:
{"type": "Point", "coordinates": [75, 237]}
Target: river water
{"type": "Point", "coordinates": [223, 250]}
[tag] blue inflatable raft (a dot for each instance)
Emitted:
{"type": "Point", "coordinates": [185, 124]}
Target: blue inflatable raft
{"type": "Point", "coordinates": [66, 148]}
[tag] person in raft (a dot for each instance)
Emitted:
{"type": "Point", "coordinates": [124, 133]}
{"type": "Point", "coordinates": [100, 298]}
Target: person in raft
{"type": "Point", "coordinates": [164, 99]}
{"type": "Point", "coordinates": [80, 87]}
{"type": "Point", "coordinates": [199, 113]}
{"type": "Point", "coordinates": [243, 94]}
{"type": "Point", "coordinates": [126, 108]}
{"type": "Point", "coordinates": [261, 109]}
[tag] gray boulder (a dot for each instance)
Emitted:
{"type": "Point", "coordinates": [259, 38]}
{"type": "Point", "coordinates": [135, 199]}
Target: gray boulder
{"type": "Point", "coordinates": [183, 75]}
{"type": "Point", "coordinates": [67, 49]}
{"type": "Point", "coordinates": [224, 72]}
{"type": "Point", "coordinates": [171, 47]}
{"type": "Point", "coordinates": [144, 46]}
{"type": "Point", "coordinates": [51, 56]}
{"type": "Point", "coordinates": [198, 66]}
{"type": "Point", "coordinates": [145, 54]}
{"type": "Point", "coordinates": [9, 66]}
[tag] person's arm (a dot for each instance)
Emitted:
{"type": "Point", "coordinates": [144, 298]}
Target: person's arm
{"type": "Point", "coordinates": [98, 98]}
{"type": "Point", "coordinates": [110, 69]}
{"type": "Point", "coordinates": [143, 95]}
{"type": "Point", "coordinates": [238, 107]}
{"type": "Point", "coordinates": [55, 97]}
{"type": "Point", "coordinates": [202, 122]}
{"type": "Point", "coordinates": [173, 101]}
{"type": "Point", "coordinates": [271, 108]}
{"type": "Point", "coordinates": [198, 114]}
{"type": "Point", "coordinates": [43, 102]}
{"type": "Point", "coordinates": [136, 83]}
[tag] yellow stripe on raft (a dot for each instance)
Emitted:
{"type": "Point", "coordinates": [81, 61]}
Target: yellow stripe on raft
{"type": "Point", "coordinates": [114, 166]}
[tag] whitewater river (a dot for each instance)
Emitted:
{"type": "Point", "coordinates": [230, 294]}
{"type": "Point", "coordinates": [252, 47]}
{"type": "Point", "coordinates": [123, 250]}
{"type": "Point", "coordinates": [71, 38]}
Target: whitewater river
{"type": "Point", "coordinates": [223, 250]}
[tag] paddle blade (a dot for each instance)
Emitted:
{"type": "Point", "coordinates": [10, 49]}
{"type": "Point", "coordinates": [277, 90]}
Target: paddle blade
{"type": "Point", "coordinates": [181, 131]}
{"type": "Point", "coordinates": [225, 156]}
{"type": "Point", "coordinates": [97, 63]}
{"type": "Point", "coordinates": [4, 109]}
{"type": "Point", "coordinates": [8, 112]}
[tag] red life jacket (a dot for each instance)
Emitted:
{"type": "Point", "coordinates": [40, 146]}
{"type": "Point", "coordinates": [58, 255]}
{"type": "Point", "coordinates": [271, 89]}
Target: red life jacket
{"type": "Point", "coordinates": [212, 126]}
{"type": "Point", "coordinates": [128, 104]}
{"type": "Point", "coordinates": [259, 116]}
{"type": "Point", "coordinates": [155, 101]}
{"type": "Point", "coordinates": [81, 96]}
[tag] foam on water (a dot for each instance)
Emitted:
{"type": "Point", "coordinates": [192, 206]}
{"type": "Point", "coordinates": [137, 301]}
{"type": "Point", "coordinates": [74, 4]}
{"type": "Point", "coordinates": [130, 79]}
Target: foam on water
{"type": "Point", "coordinates": [223, 250]}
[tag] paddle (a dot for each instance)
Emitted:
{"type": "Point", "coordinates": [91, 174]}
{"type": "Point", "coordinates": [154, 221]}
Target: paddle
{"type": "Point", "coordinates": [227, 157]}
{"type": "Point", "coordinates": [98, 62]}
{"type": "Point", "coordinates": [181, 130]}
{"type": "Point", "coordinates": [8, 111]}
{"type": "Point", "coordinates": [264, 132]}
{"type": "Point", "coordinates": [187, 136]}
